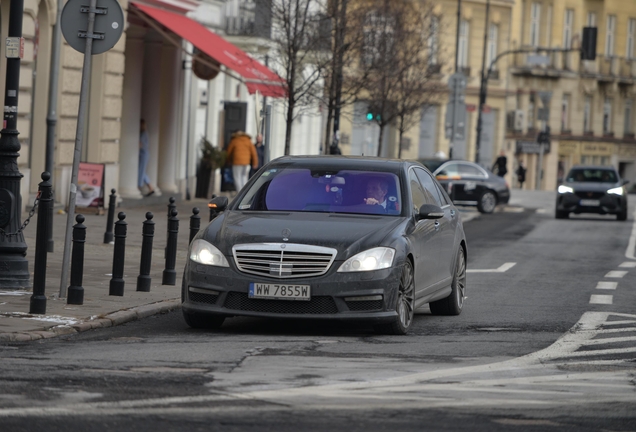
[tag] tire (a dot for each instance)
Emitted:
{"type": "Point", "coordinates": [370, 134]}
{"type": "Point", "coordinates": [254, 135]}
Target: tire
{"type": "Point", "coordinates": [203, 321]}
{"type": "Point", "coordinates": [404, 305]}
{"type": "Point", "coordinates": [622, 216]}
{"type": "Point", "coordinates": [454, 303]}
{"type": "Point", "coordinates": [560, 214]}
{"type": "Point", "coordinates": [487, 202]}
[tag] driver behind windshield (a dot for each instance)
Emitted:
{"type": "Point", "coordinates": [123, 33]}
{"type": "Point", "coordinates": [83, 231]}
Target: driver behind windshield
{"type": "Point", "coordinates": [376, 192]}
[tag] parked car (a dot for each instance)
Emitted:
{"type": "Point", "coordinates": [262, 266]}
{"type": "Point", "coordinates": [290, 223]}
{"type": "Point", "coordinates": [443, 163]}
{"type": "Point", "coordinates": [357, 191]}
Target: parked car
{"type": "Point", "coordinates": [329, 237]}
{"type": "Point", "coordinates": [592, 189]}
{"type": "Point", "coordinates": [470, 184]}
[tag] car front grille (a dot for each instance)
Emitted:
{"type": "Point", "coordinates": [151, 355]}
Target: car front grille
{"type": "Point", "coordinates": [283, 260]}
{"type": "Point", "coordinates": [365, 305]}
{"type": "Point", "coordinates": [318, 305]}
{"type": "Point", "coordinates": [590, 195]}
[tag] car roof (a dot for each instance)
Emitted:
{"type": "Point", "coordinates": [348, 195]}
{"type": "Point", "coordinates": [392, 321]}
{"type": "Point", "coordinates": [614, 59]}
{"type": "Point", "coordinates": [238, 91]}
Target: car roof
{"type": "Point", "coordinates": [344, 162]}
{"type": "Point", "coordinates": [596, 167]}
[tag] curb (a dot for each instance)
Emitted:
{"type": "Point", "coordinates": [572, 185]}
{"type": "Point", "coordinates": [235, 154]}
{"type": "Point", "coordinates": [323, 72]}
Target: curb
{"type": "Point", "coordinates": [112, 319]}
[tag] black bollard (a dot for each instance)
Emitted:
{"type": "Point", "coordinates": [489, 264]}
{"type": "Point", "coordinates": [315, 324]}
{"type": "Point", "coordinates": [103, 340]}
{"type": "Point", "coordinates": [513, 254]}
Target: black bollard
{"type": "Point", "coordinates": [38, 298]}
{"type": "Point", "coordinates": [195, 223]}
{"type": "Point", "coordinates": [169, 273]}
{"type": "Point", "coordinates": [112, 203]}
{"type": "Point", "coordinates": [76, 290]}
{"type": "Point", "coordinates": [171, 206]}
{"type": "Point", "coordinates": [117, 281]}
{"type": "Point", "coordinates": [212, 208]}
{"type": "Point", "coordinates": [143, 280]}
{"type": "Point", "coordinates": [50, 246]}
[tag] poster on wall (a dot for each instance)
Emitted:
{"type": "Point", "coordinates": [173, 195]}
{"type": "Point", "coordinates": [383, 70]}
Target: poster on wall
{"type": "Point", "coordinates": [90, 181]}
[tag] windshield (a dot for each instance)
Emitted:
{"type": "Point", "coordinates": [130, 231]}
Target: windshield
{"type": "Point", "coordinates": [594, 175]}
{"type": "Point", "coordinates": [305, 190]}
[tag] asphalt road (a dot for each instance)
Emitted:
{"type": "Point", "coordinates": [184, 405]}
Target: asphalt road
{"type": "Point", "coordinates": [532, 351]}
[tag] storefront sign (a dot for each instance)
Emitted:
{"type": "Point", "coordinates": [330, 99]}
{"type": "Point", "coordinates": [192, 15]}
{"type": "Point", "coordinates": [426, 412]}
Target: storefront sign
{"type": "Point", "coordinates": [531, 147]}
{"type": "Point", "coordinates": [597, 149]}
{"type": "Point", "coordinates": [627, 150]}
{"type": "Point", "coordinates": [90, 181]}
{"type": "Point", "coordinates": [568, 148]}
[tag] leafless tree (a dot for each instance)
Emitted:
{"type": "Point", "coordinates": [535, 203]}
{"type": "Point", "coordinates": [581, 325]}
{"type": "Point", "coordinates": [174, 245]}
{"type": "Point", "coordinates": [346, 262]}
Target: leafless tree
{"type": "Point", "coordinates": [399, 61]}
{"type": "Point", "coordinates": [301, 42]}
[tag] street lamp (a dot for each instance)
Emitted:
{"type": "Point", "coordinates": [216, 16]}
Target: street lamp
{"type": "Point", "coordinates": [14, 267]}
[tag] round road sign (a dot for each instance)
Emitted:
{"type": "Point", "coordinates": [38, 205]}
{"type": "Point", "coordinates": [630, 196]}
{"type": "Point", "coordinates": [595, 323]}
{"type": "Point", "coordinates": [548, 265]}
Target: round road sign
{"type": "Point", "coordinates": [109, 24]}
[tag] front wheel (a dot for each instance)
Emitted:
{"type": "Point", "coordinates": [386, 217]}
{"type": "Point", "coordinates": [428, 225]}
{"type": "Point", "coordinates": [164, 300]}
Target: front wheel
{"type": "Point", "coordinates": [405, 304]}
{"type": "Point", "coordinates": [559, 214]}
{"type": "Point", "coordinates": [454, 303]}
{"type": "Point", "coordinates": [203, 321]}
{"type": "Point", "coordinates": [622, 216]}
{"type": "Point", "coordinates": [487, 202]}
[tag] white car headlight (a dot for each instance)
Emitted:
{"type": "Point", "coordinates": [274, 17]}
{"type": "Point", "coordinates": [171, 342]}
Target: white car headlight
{"type": "Point", "coordinates": [616, 191]}
{"type": "Point", "coordinates": [203, 252]}
{"type": "Point", "coordinates": [372, 259]}
{"type": "Point", "coordinates": [565, 189]}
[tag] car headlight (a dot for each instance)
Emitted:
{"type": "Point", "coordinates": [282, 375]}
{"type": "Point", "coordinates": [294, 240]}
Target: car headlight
{"type": "Point", "coordinates": [565, 189]}
{"type": "Point", "coordinates": [616, 191]}
{"type": "Point", "coordinates": [203, 252]}
{"type": "Point", "coordinates": [372, 259]}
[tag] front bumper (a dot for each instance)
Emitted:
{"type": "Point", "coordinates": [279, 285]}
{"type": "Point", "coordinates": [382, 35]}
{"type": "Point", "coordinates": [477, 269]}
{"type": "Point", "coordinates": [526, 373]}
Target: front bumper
{"type": "Point", "coordinates": [224, 291]}
{"type": "Point", "coordinates": [608, 203]}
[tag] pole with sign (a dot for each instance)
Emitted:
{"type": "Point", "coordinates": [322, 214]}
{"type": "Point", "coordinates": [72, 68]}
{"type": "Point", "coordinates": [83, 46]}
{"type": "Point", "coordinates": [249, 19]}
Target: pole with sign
{"type": "Point", "coordinates": [88, 34]}
{"type": "Point", "coordinates": [455, 124]}
{"type": "Point", "coordinates": [545, 97]}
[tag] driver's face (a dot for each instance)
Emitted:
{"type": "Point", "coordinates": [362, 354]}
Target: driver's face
{"type": "Point", "coordinates": [376, 190]}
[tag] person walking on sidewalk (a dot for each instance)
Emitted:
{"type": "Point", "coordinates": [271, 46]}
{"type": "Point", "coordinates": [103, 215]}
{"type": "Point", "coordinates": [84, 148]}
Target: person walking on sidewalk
{"type": "Point", "coordinates": [500, 167]}
{"type": "Point", "coordinates": [521, 174]}
{"type": "Point", "coordinates": [241, 154]}
{"type": "Point", "coordinates": [144, 156]}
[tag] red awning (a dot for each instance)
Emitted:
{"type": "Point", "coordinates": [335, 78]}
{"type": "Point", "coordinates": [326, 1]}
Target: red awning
{"type": "Point", "coordinates": [257, 76]}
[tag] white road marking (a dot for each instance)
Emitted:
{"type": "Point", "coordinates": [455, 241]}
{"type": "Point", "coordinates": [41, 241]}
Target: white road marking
{"type": "Point", "coordinates": [606, 285]}
{"type": "Point", "coordinates": [610, 340]}
{"type": "Point", "coordinates": [502, 269]}
{"type": "Point", "coordinates": [601, 299]}
{"type": "Point", "coordinates": [631, 245]}
{"type": "Point", "coordinates": [541, 211]}
{"type": "Point", "coordinates": [628, 264]}
{"type": "Point", "coordinates": [622, 322]}
{"type": "Point", "coordinates": [616, 274]}
{"type": "Point", "coordinates": [513, 209]}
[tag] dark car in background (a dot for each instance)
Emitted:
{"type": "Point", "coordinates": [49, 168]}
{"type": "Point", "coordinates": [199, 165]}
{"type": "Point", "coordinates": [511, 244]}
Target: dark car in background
{"type": "Point", "coordinates": [329, 237]}
{"type": "Point", "coordinates": [592, 189]}
{"type": "Point", "coordinates": [470, 184]}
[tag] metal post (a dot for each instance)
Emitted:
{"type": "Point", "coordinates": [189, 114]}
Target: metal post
{"type": "Point", "coordinates": [51, 118]}
{"type": "Point", "coordinates": [76, 290]}
{"type": "Point", "coordinates": [459, 21]}
{"type": "Point", "coordinates": [169, 273]}
{"type": "Point", "coordinates": [539, 172]}
{"type": "Point", "coordinates": [171, 206]}
{"type": "Point", "coordinates": [38, 299]}
{"type": "Point", "coordinates": [483, 86]}
{"type": "Point", "coordinates": [195, 223]}
{"type": "Point", "coordinates": [143, 280]}
{"type": "Point", "coordinates": [14, 271]}
{"type": "Point", "coordinates": [112, 202]}
{"type": "Point", "coordinates": [81, 119]}
{"type": "Point", "coordinates": [117, 281]}
{"type": "Point", "coordinates": [340, 39]}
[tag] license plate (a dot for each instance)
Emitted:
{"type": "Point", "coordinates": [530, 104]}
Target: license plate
{"type": "Point", "coordinates": [279, 291]}
{"type": "Point", "coordinates": [590, 203]}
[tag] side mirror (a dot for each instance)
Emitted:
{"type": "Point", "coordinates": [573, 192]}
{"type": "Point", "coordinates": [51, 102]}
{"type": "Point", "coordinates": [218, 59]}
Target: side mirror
{"type": "Point", "coordinates": [430, 211]}
{"type": "Point", "coordinates": [217, 205]}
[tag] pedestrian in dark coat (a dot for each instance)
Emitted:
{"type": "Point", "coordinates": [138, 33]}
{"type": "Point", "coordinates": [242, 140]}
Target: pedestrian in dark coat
{"type": "Point", "coordinates": [521, 174]}
{"type": "Point", "coordinates": [500, 167]}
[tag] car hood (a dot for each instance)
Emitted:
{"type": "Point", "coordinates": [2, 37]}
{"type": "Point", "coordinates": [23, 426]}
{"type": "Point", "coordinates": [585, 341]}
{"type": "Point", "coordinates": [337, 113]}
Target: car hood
{"type": "Point", "coordinates": [349, 234]}
{"type": "Point", "coordinates": [592, 187]}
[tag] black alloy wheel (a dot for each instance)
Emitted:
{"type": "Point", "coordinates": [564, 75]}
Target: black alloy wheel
{"type": "Point", "coordinates": [404, 305]}
{"type": "Point", "coordinates": [487, 202]}
{"type": "Point", "coordinates": [559, 214]}
{"type": "Point", "coordinates": [622, 216]}
{"type": "Point", "coordinates": [454, 303]}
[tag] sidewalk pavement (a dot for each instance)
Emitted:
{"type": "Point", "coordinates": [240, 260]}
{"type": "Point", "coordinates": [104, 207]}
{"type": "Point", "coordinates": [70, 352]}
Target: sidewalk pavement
{"type": "Point", "coordinates": [99, 308]}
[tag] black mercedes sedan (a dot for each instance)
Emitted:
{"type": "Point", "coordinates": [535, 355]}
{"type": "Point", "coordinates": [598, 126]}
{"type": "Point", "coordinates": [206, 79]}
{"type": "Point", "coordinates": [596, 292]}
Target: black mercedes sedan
{"type": "Point", "coordinates": [592, 189]}
{"type": "Point", "coordinates": [329, 237]}
{"type": "Point", "coordinates": [469, 184]}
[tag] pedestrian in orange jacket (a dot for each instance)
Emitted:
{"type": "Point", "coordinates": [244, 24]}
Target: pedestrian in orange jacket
{"type": "Point", "coordinates": [241, 154]}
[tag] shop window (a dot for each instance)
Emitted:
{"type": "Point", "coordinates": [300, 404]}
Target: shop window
{"type": "Point", "coordinates": [607, 116]}
{"type": "Point", "coordinates": [587, 115]}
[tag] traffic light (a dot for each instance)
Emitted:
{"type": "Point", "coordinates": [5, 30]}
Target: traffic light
{"type": "Point", "coordinates": [372, 115]}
